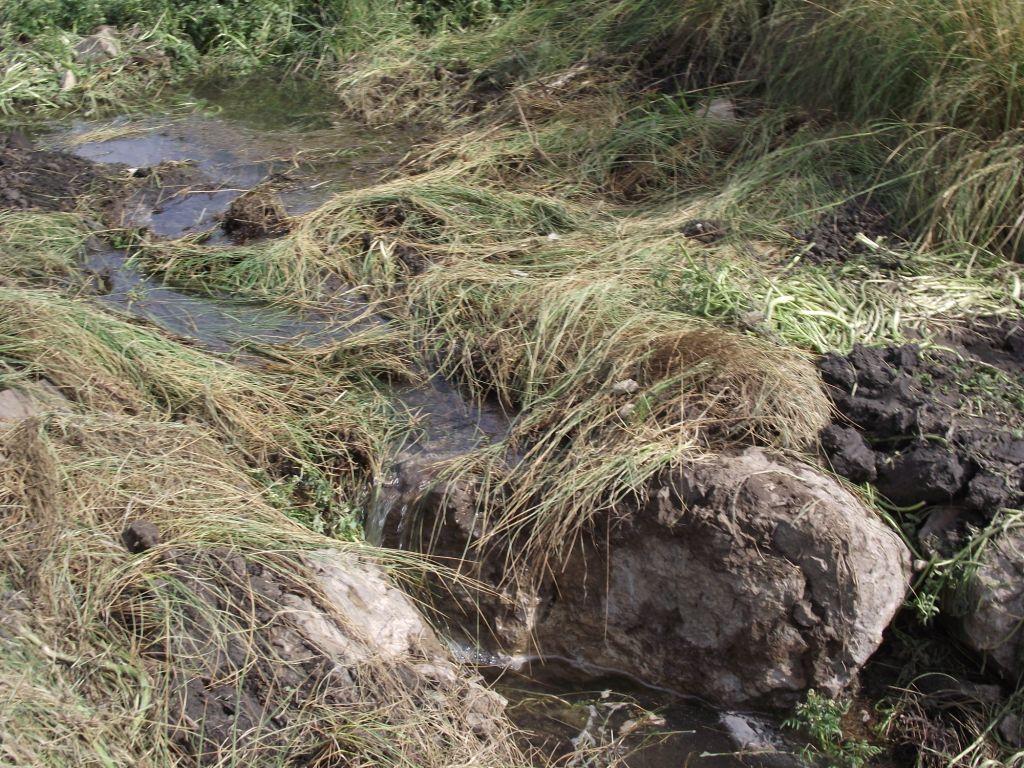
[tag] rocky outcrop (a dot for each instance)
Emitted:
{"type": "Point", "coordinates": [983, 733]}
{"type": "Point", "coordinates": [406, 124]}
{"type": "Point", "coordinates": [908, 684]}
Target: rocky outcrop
{"type": "Point", "coordinates": [745, 579]}
{"type": "Point", "coordinates": [991, 604]}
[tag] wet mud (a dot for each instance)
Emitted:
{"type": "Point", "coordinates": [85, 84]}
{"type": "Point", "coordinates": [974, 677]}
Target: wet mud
{"type": "Point", "coordinates": [52, 181]}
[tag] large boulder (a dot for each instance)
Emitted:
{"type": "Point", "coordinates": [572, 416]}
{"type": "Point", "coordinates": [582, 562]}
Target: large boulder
{"type": "Point", "coordinates": [991, 604]}
{"type": "Point", "coordinates": [746, 579]}
{"type": "Point", "coordinates": [743, 580]}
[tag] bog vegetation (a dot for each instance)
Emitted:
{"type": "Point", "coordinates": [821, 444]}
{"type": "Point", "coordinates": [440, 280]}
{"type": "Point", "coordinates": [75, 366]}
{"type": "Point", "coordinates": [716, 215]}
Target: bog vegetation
{"type": "Point", "coordinates": [530, 250]}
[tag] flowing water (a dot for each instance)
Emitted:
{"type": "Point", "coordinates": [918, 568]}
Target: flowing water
{"type": "Point", "coordinates": [234, 139]}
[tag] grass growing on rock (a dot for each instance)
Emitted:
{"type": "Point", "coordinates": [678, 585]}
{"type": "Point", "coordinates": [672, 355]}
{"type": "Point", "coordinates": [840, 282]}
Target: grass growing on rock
{"type": "Point", "coordinates": [98, 645]}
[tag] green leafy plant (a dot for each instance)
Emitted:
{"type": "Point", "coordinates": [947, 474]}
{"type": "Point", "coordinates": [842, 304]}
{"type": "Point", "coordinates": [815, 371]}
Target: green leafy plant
{"type": "Point", "coordinates": [821, 718]}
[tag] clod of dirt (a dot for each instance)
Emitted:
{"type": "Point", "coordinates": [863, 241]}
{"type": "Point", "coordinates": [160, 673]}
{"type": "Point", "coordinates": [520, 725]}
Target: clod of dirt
{"type": "Point", "coordinates": [903, 411]}
{"type": "Point", "coordinates": [849, 453]}
{"type": "Point", "coordinates": [259, 213]}
{"type": "Point", "coordinates": [50, 181]}
{"type": "Point", "coordinates": [835, 236]}
{"type": "Point", "coordinates": [140, 535]}
{"type": "Point", "coordinates": [704, 230]}
{"type": "Point", "coordinates": [926, 473]}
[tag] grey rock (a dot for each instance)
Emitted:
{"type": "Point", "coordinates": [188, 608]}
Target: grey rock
{"type": "Point", "coordinates": [1011, 729]}
{"type": "Point", "coordinates": [625, 387]}
{"type": "Point", "coordinates": [990, 606]}
{"type": "Point", "coordinates": [744, 579]}
{"type": "Point", "coordinates": [30, 399]}
{"type": "Point", "coordinates": [721, 108]}
{"type": "Point", "coordinates": [101, 45]}
{"type": "Point", "coordinates": [67, 81]}
{"type": "Point", "coordinates": [342, 636]}
{"type": "Point", "coordinates": [15, 405]}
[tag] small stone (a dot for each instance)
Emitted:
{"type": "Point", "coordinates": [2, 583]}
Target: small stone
{"type": "Point", "coordinates": [140, 536]}
{"type": "Point", "coordinates": [99, 46]}
{"type": "Point", "coordinates": [752, 320]}
{"type": "Point", "coordinates": [625, 387]}
{"type": "Point", "coordinates": [67, 81]}
{"type": "Point", "coordinates": [626, 411]}
{"type": "Point", "coordinates": [920, 566]}
{"type": "Point", "coordinates": [721, 109]}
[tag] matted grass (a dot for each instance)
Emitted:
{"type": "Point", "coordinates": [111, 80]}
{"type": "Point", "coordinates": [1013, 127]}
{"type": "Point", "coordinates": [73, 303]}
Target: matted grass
{"type": "Point", "coordinates": [38, 246]}
{"type": "Point", "coordinates": [322, 415]}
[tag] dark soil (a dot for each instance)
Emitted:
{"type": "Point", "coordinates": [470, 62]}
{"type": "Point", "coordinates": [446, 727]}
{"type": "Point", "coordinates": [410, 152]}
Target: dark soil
{"type": "Point", "coordinates": [834, 237]}
{"type": "Point", "coordinates": [704, 230]}
{"type": "Point", "coordinates": [51, 181]}
{"type": "Point", "coordinates": [933, 428]}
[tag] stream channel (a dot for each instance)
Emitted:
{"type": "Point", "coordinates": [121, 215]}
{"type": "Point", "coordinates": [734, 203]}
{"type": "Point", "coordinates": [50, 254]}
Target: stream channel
{"type": "Point", "coordinates": [229, 142]}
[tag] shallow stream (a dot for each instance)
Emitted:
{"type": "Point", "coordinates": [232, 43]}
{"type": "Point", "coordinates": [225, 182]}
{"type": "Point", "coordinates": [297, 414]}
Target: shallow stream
{"type": "Point", "coordinates": [227, 143]}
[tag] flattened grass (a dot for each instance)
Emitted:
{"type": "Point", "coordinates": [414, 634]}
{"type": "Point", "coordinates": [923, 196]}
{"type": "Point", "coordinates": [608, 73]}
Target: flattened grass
{"type": "Point", "coordinates": [37, 246]}
{"type": "Point", "coordinates": [327, 418]}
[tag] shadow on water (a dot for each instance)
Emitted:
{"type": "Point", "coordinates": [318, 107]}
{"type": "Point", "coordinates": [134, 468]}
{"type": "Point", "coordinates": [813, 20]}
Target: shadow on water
{"type": "Point", "coordinates": [242, 137]}
{"type": "Point", "coordinates": [609, 720]}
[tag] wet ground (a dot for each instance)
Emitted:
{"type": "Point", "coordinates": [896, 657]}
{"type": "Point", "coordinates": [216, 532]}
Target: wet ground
{"type": "Point", "coordinates": [559, 714]}
{"type": "Point", "coordinates": [183, 169]}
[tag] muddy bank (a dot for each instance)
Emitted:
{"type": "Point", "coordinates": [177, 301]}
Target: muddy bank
{"type": "Point", "coordinates": [54, 181]}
